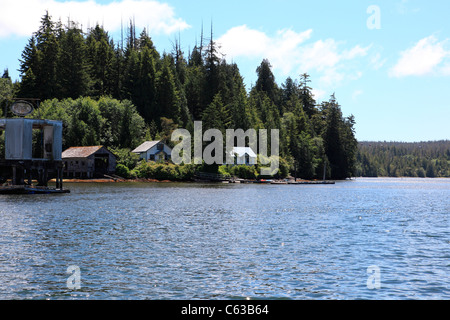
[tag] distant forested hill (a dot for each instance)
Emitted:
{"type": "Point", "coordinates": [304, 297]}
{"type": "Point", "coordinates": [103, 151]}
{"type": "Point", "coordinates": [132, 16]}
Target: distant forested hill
{"type": "Point", "coordinates": [403, 159]}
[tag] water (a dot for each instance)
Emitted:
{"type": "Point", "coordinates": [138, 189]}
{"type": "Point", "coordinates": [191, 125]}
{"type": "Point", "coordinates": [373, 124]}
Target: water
{"type": "Point", "coordinates": [229, 241]}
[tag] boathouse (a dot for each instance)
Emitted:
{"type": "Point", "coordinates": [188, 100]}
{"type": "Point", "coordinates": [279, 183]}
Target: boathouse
{"type": "Point", "coordinates": [154, 151]}
{"type": "Point", "coordinates": [88, 162]}
{"type": "Point", "coordinates": [32, 151]}
{"type": "Point", "coordinates": [244, 155]}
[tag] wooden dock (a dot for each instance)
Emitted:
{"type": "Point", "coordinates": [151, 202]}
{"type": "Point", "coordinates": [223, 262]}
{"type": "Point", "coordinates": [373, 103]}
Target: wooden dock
{"type": "Point", "coordinates": [313, 182]}
{"type": "Point", "coordinates": [269, 181]}
{"type": "Point", "coordinates": [25, 189]}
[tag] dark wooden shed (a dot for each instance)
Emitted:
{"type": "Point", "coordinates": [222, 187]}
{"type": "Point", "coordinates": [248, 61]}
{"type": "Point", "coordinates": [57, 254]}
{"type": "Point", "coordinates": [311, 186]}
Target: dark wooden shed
{"type": "Point", "coordinates": [88, 162]}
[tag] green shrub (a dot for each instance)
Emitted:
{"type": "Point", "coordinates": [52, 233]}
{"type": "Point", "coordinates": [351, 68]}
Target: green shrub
{"type": "Point", "coordinates": [122, 171]}
{"type": "Point", "coordinates": [243, 171]}
{"type": "Point", "coordinates": [163, 171]}
{"type": "Point", "coordinates": [224, 171]}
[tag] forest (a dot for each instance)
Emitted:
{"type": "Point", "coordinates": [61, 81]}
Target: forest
{"type": "Point", "coordinates": [121, 93]}
{"type": "Point", "coordinates": [404, 159]}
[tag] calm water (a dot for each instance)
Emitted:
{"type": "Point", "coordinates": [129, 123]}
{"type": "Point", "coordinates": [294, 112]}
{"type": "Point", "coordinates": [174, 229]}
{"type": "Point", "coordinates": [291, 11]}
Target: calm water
{"type": "Point", "coordinates": [229, 241]}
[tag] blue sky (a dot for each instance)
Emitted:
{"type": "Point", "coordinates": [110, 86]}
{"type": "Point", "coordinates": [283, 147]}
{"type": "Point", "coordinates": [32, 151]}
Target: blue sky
{"type": "Point", "coordinates": [388, 61]}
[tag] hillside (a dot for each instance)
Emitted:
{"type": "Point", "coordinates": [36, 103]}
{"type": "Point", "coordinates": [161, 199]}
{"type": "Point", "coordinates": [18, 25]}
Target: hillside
{"type": "Point", "coordinates": [403, 159]}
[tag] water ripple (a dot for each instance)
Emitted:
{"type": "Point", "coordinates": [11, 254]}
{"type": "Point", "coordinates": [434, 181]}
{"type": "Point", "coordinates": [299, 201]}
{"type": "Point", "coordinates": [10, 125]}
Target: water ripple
{"type": "Point", "coordinates": [193, 241]}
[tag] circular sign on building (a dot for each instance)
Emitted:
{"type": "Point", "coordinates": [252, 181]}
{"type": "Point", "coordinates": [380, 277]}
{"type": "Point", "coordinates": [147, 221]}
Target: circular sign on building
{"type": "Point", "coordinates": [22, 108]}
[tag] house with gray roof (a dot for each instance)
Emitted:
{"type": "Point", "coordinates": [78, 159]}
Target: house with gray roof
{"type": "Point", "coordinates": [154, 151]}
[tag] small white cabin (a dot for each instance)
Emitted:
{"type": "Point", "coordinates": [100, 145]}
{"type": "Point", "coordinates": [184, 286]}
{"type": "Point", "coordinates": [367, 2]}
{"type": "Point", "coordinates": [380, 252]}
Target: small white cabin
{"type": "Point", "coordinates": [244, 155]}
{"type": "Point", "coordinates": [154, 151]}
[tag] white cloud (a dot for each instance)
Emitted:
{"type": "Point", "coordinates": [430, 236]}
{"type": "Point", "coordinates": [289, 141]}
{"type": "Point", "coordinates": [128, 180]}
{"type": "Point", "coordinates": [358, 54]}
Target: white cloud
{"type": "Point", "coordinates": [321, 55]}
{"type": "Point", "coordinates": [318, 93]}
{"type": "Point", "coordinates": [290, 52]}
{"type": "Point", "coordinates": [377, 62]}
{"type": "Point", "coordinates": [404, 7]}
{"type": "Point", "coordinates": [22, 17]}
{"type": "Point", "coordinates": [424, 58]}
{"type": "Point", "coordinates": [242, 41]}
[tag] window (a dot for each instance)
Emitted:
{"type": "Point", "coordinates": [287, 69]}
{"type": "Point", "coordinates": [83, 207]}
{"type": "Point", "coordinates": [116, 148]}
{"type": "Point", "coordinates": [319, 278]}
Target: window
{"type": "Point", "coordinates": [160, 147]}
{"type": "Point", "coordinates": [152, 157]}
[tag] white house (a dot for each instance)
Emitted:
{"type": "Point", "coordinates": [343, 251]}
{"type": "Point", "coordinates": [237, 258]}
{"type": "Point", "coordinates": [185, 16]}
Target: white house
{"type": "Point", "coordinates": [244, 155]}
{"type": "Point", "coordinates": [153, 151]}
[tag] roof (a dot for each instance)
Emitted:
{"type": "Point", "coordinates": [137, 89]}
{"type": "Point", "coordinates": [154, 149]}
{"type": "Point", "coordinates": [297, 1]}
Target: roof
{"type": "Point", "coordinates": [244, 150]}
{"type": "Point", "coordinates": [80, 152]}
{"type": "Point", "coordinates": [145, 146]}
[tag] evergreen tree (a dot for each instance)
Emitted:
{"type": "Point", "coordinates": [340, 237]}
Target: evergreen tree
{"type": "Point", "coordinates": [306, 96]}
{"type": "Point", "coordinates": [167, 95]}
{"type": "Point", "coordinates": [340, 144]}
{"type": "Point", "coordinates": [216, 115]}
{"type": "Point", "coordinates": [145, 41]}
{"type": "Point", "coordinates": [131, 73]}
{"type": "Point", "coordinates": [72, 77]}
{"type": "Point", "coordinates": [6, 93]}
{"type": "Point", "coordinates": [195, 79]}
{"type": "Point", "coordinates": [266, 81]}
{"type": "Point", "coordinates": [47, 54]}
{"type": "Point", "coordinates": [145, 85]}
{"type": "Point", "coordinates": [304, 154]}
{"type": "Point", "coordinates": [240, 112]}
{"type": "Point", "coordinates": [100, 58]}
{"type": "Point", "coordinates": [6, 74]}
{"type": "Point", "coordinates": [28, 63]}
{"type": "Point", "coordinates": [196, 58]}
{"type": "Point", "coordinates": [118, 74]}
{"type": "Point", "coordinates": [211, 65]}
{"type": "Point", "coordinates": [289, 89]}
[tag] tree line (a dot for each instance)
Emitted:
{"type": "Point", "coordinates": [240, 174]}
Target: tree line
{"type": "Point", "coordinates": [404, 159]}
{"type": "Point", "coordinates": [120, 94]}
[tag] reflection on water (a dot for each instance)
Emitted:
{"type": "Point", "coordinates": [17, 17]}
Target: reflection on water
{"type": "Point", "coordinates": [229, 241]}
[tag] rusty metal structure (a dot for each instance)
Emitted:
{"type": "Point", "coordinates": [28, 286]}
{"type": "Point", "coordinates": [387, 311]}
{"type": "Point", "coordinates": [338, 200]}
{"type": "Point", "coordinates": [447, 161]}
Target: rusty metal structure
{"type": "Point", "coordinates": [32, 152]}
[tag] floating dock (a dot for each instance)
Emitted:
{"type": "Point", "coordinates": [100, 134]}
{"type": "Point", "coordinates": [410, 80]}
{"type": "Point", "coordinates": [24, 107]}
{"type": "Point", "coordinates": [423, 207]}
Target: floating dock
{"type": "Point", "coordinates": [268, 181]}
{"type": "Point", "coordinates": [312, 182]}
{"type": "Point", "coordinates": [24, 189]}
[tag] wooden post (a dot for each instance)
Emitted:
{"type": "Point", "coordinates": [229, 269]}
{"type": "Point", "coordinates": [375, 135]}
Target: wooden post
{"type": "Point", "coordinates": [45, 177]}
{"type": "Point", "coordinates": [59, 178]}
{"type": "Point", "coordinates": [14, 172]}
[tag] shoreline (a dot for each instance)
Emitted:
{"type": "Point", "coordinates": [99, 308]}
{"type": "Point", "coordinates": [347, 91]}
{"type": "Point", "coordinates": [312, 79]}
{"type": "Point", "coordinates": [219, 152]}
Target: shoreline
{"type": "Point", "coordinates": [106, 180]}
{"type": "Point", "coordinates": [244, 181]}
{"type": "Point", "coordinates": [145, 180]}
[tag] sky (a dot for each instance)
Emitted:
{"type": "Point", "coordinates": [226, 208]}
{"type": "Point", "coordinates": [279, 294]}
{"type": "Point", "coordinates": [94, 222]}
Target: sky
{"type": "Point", "coordinates": [387, 61]}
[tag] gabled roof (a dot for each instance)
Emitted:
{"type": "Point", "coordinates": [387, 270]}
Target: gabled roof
{"type": "Point", "coordinates": [145, 146]}
{"type": "Point", "coordinates": [241, 151]}
{"type": "Point", "coordinates": [80, 152]}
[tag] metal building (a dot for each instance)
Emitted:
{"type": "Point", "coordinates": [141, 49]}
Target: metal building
{"type": "Point", "coordinates": [32, 151]}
